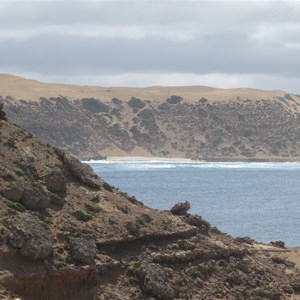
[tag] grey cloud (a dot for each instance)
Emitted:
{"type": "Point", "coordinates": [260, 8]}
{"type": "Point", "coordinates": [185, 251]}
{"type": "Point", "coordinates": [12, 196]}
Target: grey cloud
{"type": "Point", "coordinates": [211, 14]}
{"type": "Point", "coordinates": [226, 54]}
{"type": "Point", "coordinates": [73, 38]}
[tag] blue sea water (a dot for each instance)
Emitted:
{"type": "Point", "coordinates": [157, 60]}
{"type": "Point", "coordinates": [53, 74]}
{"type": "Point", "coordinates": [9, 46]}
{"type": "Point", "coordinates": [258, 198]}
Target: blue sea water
{"type": "Point", "coordinates": [260, 200]}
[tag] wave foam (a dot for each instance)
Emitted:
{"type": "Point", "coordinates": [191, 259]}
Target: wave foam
{"type": "Point", "coordinates": [154, 164]}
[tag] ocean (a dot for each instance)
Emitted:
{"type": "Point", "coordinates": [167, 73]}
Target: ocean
{"type": "Point", "coordinates": [260, 200]}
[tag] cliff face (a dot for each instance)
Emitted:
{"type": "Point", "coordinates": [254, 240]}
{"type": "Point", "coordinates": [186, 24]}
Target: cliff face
{"type": "Point", "coordinates": [205, 129]}
{"type": "Point", "coordinates": [66, 234]}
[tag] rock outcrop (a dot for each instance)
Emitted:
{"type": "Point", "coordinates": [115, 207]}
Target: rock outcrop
{"type": "Point", "coordinates": [13, 193]}
{"type": "Point", "coordinates": [55, 181]}
{"type": "Point", "coordinates": [34, 197]}
{"type": "Point", "coordinates": [154, 281]}
{"type": "Point", "coordinates": [83, 250]}
{"type": "Point", "coordinates": [29, 235]}
{"type": "Point", "coordinates": [181, 208]}
{"type": "Point", "coordinates": [80, 170]}
{"type": "Point", "coordinates": [2, 113]}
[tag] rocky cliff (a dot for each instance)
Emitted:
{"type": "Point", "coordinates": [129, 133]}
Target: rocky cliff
{"type": "Point", "coordinates": [67, 234]}
{"type": "Point", "coordinates": [190, 122]}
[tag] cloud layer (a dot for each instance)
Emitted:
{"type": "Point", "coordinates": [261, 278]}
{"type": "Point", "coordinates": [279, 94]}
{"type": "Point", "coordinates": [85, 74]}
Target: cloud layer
{"type": "Point", "coordinates": [138, 43]}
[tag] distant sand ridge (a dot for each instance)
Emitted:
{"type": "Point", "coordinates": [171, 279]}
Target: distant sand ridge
{"type": "Point", "coordinates": [22, 88]}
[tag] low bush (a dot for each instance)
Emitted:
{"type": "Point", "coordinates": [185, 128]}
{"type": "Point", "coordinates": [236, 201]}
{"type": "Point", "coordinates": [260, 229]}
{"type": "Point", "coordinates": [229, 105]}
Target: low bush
{"type": "Point", "coordinates": [81, 216]}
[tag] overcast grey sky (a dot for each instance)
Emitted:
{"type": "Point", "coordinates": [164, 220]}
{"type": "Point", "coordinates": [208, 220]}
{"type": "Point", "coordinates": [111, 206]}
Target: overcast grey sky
{"type": "Point", "coordinates": [142, 43]}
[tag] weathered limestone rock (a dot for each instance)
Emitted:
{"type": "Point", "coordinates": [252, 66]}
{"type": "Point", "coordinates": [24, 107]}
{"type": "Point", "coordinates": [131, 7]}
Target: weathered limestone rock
{"type": "Point", "coordinates": [29, 235]}
{"type": "Point", "coordinates": [279, 244]}
{"type": "Point", "coordinates": [154, 281]}
{"type": "Point", "coordinates": [13, 193]}
{"type": "Point", "coordinates": [35, 198]}
{"type": "Point", "coordinates": [55, 181]}
{"type": "Point", "coordinates": [133, 228]}
{"type": "Point", "coordinates": [95, 198]}
{"type": "Point", "coordinates": [83, 250]}
{"type": "Point", "coordinates": [288, 289]}
{"type": "Point", "coordinates": [180, 208]}
{"type": "Point", "coordinates": [295, 283]}
{"type": "Point", "coordinates": [2, 113]}
{"type": "Point", "coordinates": [280, 260]}
{"type": "Point", "coordinates": [81, 171]}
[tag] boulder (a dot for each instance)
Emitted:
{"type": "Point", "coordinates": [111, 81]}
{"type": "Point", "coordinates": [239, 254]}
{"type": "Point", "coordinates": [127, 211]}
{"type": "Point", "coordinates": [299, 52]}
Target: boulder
{"type": "Point", "coordinates": [83, 250]}
{"type": "Point", "coordinates": [279, 244]}
{"type": "Point", "coordinates": [35, 198]}
{"type": "Point", "coordinates": [283, 261]}
{"type": "Point", "coordinates": [95, 198]}
{"type": "Point", "coordinates": [154, 281]}
{"type": "Point", "coordinates": [2, 113]}
{"type": "Point", "coordinates": [55, 181]}
{"type": "Point", "coordinates": [180, 208]}
{"type": "Point", "coordinates": [29, 235]}
{"type": "Point", "coordinates": [133, 227]}
{"type": "Point", "coordinates": [295, 283]}
{"type": "Point", "coordinates": [288, 289]}
{"type": "Point", "coordinates": [13, 193]}
{"type": "Point", "coordinates": [234, 278]}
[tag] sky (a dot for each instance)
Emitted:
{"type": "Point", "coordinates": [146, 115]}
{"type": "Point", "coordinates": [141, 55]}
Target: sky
{"type": "Point", "coordinates": [143, 43]}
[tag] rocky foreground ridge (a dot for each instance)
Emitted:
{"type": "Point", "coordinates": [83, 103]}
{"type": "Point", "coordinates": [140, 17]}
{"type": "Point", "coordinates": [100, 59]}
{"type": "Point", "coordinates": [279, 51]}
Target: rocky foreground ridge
{"type": "Point", "coordinates": [190, 122]}
{"type": "Point", "coordinates": [67, 234]}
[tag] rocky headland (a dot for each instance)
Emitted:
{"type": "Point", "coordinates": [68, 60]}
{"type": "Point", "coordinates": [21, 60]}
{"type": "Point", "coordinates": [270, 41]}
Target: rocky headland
{"type": "Point", "coordinates": [67, 234]}
{"type": "Point", "coordinates": [186, 122]}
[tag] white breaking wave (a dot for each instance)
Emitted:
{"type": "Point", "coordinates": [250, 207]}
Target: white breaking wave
{"type": "Point", "coordinates": [154, 164]}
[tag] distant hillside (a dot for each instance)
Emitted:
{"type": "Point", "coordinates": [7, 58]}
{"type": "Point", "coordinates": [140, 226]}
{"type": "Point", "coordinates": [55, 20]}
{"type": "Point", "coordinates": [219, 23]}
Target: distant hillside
{"type": "Point", "coordinates": [192, 122]}
{"type": "Point", "coordinates": [66, 234]}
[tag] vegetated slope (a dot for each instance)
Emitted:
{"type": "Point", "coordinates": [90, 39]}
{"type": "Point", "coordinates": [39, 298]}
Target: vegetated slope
{"type": "Point", "coordinates": [66, 234]}
{"type": "Point", "coordinates": [191, 122]}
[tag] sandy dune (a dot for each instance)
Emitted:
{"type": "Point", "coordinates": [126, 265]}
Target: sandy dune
{"type": "Point", "coordinates": [22, 88]}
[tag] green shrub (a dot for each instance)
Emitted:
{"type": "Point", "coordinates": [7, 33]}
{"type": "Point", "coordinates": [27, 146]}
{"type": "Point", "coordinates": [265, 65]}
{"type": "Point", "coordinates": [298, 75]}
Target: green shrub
{"type": "Point", "coordinates": [2, 232]}
{"type": "Point", "coordinates": [92, 209]}
{"type": "Point", "coordinates": [164, 106]}
{"type": "Point", "coordinates": [136, 103]}
{"type": "Point", "coordinates": [174, 99]}
{"type": "Point", "coordinates": [107, 187]}
{"type": "Point", "coordinates": [81, 216]}
{"type": "Point", "coordinates": [42, 217]}
{"type": "Point", "coordinates": [94, 106]}
{"type": "Point", "coordinates": [193, 272]}
{"type": "Point", "coordinates": [70, 232]}
{"type": "Point", "coordinates": [247, 132]}
{"type": "Point", "coordinates": [123, 209]}
{"type": "Point", "coordinates": [223, 263]}
{"type": "Point", "coordinates": [133, 268]}
{"type": "Point", "coordinates": [16, 205]}
{"type": "Point", "coordinates": [144, 219]}
{"type": "Point", "coordinates": [210, 270]}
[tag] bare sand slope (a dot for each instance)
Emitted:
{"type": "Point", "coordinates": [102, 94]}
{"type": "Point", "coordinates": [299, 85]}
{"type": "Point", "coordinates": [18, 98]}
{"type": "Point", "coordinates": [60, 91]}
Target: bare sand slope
{"type": "Point", "coordinates": [22, 88]}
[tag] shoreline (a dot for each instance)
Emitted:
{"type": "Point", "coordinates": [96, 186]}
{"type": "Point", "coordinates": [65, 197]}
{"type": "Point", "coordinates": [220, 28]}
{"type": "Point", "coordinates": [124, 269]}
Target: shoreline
{"type": "Point", "coordinates": [188, 160]}
{"type": "Point", "coordinates": [150, 158]}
